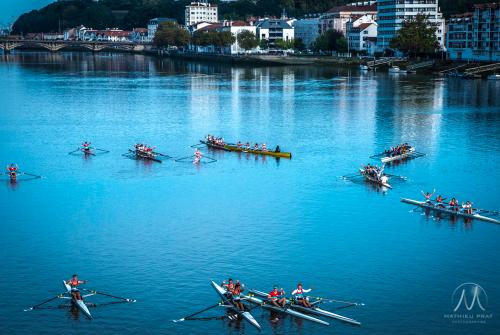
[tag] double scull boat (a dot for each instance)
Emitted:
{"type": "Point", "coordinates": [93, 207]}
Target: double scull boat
{"type": "Point", "coordinates": [244, 314]}
{"type": "Point", "coordinates": [313, 310]}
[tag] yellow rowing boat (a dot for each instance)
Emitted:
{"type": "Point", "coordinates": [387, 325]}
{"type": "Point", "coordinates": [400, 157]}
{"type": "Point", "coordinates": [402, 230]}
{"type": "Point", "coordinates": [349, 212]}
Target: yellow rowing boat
{"type": "Point", "coordinates": [235, 148]}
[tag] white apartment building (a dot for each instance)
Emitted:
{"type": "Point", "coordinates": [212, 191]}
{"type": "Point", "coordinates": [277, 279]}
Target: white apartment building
{"type": "Point", "coordinates": [393, 13]}
{"type": "Point", "coordinates": [274, 29]}
{"type": "Point", "coordinates": [361, 36]}
{"type": "Point", "coordinates": [308, 30]}
{"type": "Point", "coordinates": [201, 11]}
{"type": "Point", "coordinates": [338, 17]}
{"type": "Point", "coordinates": [236, 27]}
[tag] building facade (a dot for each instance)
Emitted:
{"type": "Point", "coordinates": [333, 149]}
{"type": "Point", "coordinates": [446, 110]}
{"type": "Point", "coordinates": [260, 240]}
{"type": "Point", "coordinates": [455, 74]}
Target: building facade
{"type": "Point", "coordinates": [275, 29]}
{"type": "Point", "coordinates": [475, 36]}
{"type": "Point", "coordinates": [391, 15]}
{"type": "Point", "coordinates": [153, 26]}
{"type": "Point", "coordinates": [338, 17]}
{"type": "Point", "coordinates": [199, 12]}
{"type": "Point", "coordinates": [236, 27]}
{"type": "Point", "coordinates": [308, 30]}
{"type": "Point", "coordinates": [360, 37]}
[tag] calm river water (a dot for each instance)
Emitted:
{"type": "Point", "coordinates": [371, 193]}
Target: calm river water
{"type": "Point", "coordinates": [159, 232]}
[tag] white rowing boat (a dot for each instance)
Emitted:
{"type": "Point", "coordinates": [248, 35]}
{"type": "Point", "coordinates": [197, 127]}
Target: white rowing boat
{"type": "Point", "coordinates": [246, 315]}
{"type": "Point", "coordinates": [314, 310]}
{"type": "Point", "coordinates": [383, 181]}
{"type": "Point", "coordinates": [388, 159]}
{"type": "Point", "coordinates": [426, 205]}
{"type": "Point", "coordinates": [285, 310]}
{"type": "Point", "coordinates": [80, 304]}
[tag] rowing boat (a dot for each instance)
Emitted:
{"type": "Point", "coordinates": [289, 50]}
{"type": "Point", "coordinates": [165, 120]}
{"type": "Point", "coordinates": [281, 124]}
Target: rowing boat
{"type": "Point", "coordinates": [382, 182]}
{"type": "Point", "coordinates": [388, 159]}
{"type": "Point", "coordinates": [314, 310]}
{"type": "Point", "coordinates": [144, 156]}
{"type": "Point", "coordinates": [244, 314]}
{"type": "Point", "coordinates": [229, 147]}
{"type": "Point", "coordinates": [80, 304]}
{"type": "Point", "coordinates": [426, 205]}
{"type": "Point", "coordinates": [285, 310]}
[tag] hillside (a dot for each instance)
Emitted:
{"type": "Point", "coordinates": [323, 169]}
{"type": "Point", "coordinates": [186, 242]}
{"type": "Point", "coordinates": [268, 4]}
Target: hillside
{"type": "Point", "coordinates": [129, 14]}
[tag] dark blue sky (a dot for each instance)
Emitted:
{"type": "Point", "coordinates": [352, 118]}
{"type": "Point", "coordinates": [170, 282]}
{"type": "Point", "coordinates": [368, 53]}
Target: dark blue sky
{"type": "Point", "coordinates": [11, 9]}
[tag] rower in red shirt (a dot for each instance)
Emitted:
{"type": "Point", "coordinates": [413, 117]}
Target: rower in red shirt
{"type": "Point", "coordinates": [74, 282]}
{"type": "Point", "coordinates": [12, 171]}
{"type": "Point", "coordinates": [453, 204]}
{"type": "Point", "coordinates": [276, 297]}
{"type": "Point", "coordinates": [197, 156]}
{"type": "Point", "coordinates": [86, 146]}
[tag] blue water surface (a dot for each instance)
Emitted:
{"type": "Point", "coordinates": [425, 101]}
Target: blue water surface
{"type": "Point", "coordinates": [159, 232]}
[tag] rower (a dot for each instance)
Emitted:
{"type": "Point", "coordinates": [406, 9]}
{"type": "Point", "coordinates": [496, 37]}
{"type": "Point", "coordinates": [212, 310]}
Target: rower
{"type": "Point", "coordinates": [12, 170]}
{"type": "Point", "coordinates": [264, 147]}
{"type": "Point", "coordinates": [298, 295]}
{"type": "Point", "coordinates": [239, 144]}
{"type": "Point", "coordinates": [236, 296]}
{"type": "Point", "coordinates": [74, 282]}
{"type": "Point", "coordinates": [197, 156]}
{"type": "Point", "coordinates": [428, 196]}
{"type": "Point", "coordinates": [439, 201]}
{"type": "Point", "coordinates": [467, 207]}
{"type": "Point", "coordinates": [86, 146]}
{"type": "Point", "coordinates": [247, 145]}
{"type": "Point", "coordinates": [276, 297]}
{"type": "Point", "coordinates": [256, 146]}
{"type": "Point", "coordinates": [278, 149]}
{"type": "Point", "coordinates": [229, 286]}
{"type": "Point", "coordinates": [453, 204]}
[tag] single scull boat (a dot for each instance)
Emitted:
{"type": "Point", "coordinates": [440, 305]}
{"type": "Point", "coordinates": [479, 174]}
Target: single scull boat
{"type": "Point", "coordinates": [80, 304]}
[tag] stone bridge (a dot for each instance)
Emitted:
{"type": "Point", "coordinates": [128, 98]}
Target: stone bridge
{"type": "Point", "coordinates": [9, 44]}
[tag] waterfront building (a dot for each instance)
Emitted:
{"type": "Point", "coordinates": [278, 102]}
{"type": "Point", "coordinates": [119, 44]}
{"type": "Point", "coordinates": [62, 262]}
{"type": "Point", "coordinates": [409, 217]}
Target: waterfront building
{"type": "Point", "coordinates": [274, 29]}
{"type": "Point", "coordinates": [153, 26]}
{"type": "Point", "coordinates": [392, 14]}
{"type": "Point", "coordinates": [359, 36]}
{"type": "Point", "coordinates": [459, 41]}
{"type": "Point", "coordinates": [140, 35]}
{"type": "Point", "coordinates": [308, 30]}
{"type": "Point", "coordinates": [201, 11]}
{"type": "Point", "coordinates": [475, 36]}
{"type": "Point", "coordinates": [236, 27]}
{"type": "Point", "coordinates": [338, 17]}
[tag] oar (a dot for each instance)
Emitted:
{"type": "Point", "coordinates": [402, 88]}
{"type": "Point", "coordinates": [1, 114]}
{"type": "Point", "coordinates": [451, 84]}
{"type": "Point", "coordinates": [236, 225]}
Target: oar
{"type": "Point", "coordinates": [104, 151]}
{"type": "Point", "coordinates": [183, 158]}
{"type": "Point", "coordinates": [78, 149]}
{"type": "Point", "coordinates": [340, 301]}
{"type": "Point", "coordinates": [194, 314]}
{"type": "Point", "coordinates": [32, 175]}
{"type": "Point", "coordinates": [109, 295]}
{"type": "Point", "coordinates": [40, 304]}
{"type": "Point", "coordinates": [212, 160]}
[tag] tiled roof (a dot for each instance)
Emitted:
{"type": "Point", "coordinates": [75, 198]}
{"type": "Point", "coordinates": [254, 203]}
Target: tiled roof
{"type": "Point", "coordinates": [364, 8]}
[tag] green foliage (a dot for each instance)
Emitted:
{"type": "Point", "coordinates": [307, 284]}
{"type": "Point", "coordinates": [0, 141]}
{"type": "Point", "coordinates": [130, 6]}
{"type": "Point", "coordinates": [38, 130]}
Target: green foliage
{"type": "Point", "coordinates": [416, 36]}
{"type": "Point", "coordinates": [247, 40]}
{"type": "Point", "coordinates": [331, 40]}
{"type": "Point", "coordinates": [298, 44]}
{"type": "Point", "coordinates": [284, 45]}
{"type": "Point", "coordinates": [171, 34]}
{"type": "Point", "coordinates": [215, 38]}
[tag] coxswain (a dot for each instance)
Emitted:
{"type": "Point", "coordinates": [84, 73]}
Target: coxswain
{"type": "Point", "coordinates": [276, 297]}
{"type": "Point", "coordinates": [197, 156]}
{"type": "Point", "coordinates": [467, 207]}
{"type": "Point", "coordinates": [264, 147]}
{"type": "Point", "coordinates": [453, 204]}
{"type": "Point", "coordinates": [298, 296]}
{"type": "Point", "coordinates": [278, 149]}
{"type": "Point", "coordinates": [74, 282]}
{"type": "Point", "coordinates": [428, 196]}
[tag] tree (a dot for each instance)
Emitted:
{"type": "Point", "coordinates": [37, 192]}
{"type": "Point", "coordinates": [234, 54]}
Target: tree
{"type": "Point", "coordinates": [284, 45]}
{"type": "Point", "coordinates": [171, 34]}
{"type": "Point", "coordinates": [417, 36]}
{"type": "Point", "coordinates": [331, 40]}
{"type": "Point", "coordinates": [247, 40]}
{"type": "Point", "coordinates": [298, 44]}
